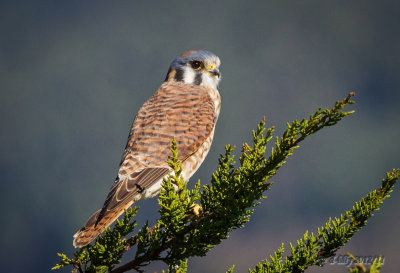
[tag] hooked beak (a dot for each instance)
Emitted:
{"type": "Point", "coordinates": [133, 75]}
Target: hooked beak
{"type": "Point", "coordinates": [215, 72]}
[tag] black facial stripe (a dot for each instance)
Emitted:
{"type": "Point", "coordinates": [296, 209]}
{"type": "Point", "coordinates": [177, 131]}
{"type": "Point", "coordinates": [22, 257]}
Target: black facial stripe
{"type": "Point", "coordinates": [198, 79]}
{"type": "Point", "coordinates": [179, 75]}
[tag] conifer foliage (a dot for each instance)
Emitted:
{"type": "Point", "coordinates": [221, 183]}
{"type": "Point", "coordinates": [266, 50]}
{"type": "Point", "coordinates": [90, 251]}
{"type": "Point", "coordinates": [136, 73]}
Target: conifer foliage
{"type": "Point", "coordinates": [193, 221]}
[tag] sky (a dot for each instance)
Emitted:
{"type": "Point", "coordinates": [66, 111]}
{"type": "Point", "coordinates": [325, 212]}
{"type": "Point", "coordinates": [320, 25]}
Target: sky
{"type": "Point", "coordinates": [73, 74]}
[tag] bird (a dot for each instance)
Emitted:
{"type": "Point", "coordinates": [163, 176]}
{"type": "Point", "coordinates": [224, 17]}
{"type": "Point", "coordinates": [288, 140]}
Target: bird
{"type": "Point", "coordinates": [185, 107]}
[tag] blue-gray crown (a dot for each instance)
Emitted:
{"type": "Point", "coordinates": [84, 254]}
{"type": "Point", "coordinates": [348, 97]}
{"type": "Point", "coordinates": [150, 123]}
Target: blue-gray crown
{"type": "Point", "coordinates": [188, 56]}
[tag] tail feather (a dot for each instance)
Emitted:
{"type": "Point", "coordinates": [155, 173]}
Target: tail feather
{"type": "Point", "coordinates": [121, 196]}
{"type": "Point", "coordinates": [91, 230]}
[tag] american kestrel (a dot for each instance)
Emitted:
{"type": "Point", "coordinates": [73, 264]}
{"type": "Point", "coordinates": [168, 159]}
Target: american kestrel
{"type": "Point", "coordinates": [186, 107]}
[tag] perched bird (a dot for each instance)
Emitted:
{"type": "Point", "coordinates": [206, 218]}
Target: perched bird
{"type": "Point", "coordinates": [186, 107]}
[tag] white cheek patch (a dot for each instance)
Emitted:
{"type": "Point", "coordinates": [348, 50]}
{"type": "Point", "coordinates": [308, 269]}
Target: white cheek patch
{"type": "Point", "coordinates": [210, 80]}
{"type": "Point", "coordinates": [188, 76]}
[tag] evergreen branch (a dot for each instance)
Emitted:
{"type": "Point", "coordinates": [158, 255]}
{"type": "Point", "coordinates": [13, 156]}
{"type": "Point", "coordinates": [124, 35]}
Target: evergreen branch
{"type": "Point", "coordinates": [194, 221]}
{"type": "Point", "coordinates": [326, 117]}
{"type": "Point", "coordinates": [297, 131]}
{"type": "Point", "coordinates": [227, 204]}
{"type": "Point", "coordinates": [314, 249]}
{"type": "Point", "coordinates": [108, 249]}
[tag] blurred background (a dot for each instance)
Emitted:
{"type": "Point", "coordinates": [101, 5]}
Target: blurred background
{"type": "Point", "coordinates": [74, 73]}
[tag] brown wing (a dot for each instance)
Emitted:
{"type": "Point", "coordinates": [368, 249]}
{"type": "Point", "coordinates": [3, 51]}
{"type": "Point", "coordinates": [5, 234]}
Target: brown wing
{"type": "Point", "coordinates": [175, 110]}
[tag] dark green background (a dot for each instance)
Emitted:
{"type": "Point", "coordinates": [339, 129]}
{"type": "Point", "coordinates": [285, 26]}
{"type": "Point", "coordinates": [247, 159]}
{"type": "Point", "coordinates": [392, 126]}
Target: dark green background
{"type": "Point", "coordinates": [74, 73]}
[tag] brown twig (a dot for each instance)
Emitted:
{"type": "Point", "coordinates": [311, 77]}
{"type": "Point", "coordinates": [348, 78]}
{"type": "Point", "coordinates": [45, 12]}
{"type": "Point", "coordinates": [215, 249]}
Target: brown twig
{"type": "Point", "coordinates": [153, 255]}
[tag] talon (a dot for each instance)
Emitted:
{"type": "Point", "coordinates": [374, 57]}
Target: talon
{"type": "Point", "coordinates": [197, 210]}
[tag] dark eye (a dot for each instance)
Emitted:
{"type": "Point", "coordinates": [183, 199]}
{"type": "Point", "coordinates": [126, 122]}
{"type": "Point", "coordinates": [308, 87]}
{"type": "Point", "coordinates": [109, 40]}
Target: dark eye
{"type": "Point", "coordinates": [196, 65]}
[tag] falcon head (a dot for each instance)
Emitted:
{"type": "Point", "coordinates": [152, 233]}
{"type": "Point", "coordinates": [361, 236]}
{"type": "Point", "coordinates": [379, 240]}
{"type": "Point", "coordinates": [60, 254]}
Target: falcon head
{"type": "Point", "coordinates": [195, 67]}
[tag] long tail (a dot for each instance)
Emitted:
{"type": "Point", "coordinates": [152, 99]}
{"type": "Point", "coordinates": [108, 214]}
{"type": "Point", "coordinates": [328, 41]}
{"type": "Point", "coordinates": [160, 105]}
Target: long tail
{"type": "Point", "coordinates": [90, 230]}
